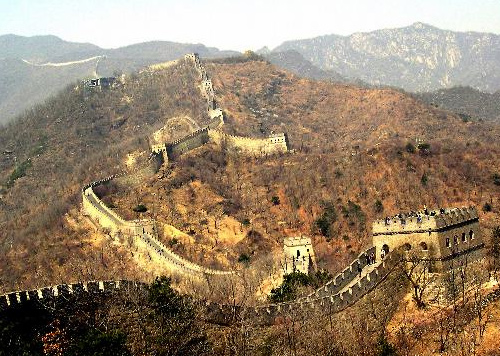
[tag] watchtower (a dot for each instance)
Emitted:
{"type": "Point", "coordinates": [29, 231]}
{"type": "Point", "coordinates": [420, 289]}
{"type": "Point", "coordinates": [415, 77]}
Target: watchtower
{"type": "Point", "coordinates": [444, 236]}
{"type": "Point", "coordinates": [299, 254]}
{"type": "Point", "coordinates": [278, 140]}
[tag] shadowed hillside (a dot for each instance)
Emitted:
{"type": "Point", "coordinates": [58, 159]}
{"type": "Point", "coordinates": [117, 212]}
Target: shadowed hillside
{"type": "Point", "coordinates": [469, 103]}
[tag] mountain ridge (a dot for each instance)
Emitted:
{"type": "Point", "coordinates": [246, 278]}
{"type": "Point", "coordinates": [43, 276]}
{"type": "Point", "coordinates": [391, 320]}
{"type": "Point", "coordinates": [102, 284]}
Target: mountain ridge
{"type": "Point", "coordinates": [417, 58]}
{"type": "Point", "coordinates": [24, 69]}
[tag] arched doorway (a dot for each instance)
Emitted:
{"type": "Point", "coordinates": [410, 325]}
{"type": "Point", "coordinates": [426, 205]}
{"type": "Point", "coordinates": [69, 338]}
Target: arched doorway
{"type": "Point", "coordinates": [384, 251]}
{"type": "Point", "coordinates": [407, 247]}
{"type": "Point", "coordinates": [423, 246]}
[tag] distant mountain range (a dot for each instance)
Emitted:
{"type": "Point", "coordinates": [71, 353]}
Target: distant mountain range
{"type": "Point", "coordinates": [417, 58]}
{"type": "Point", "coordinates": [296, 63]}
{"type": "Point", "coordinates": [34, 68]}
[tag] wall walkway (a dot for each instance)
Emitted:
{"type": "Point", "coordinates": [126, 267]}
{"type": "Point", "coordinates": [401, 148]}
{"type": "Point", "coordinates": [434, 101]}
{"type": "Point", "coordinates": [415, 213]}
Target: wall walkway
{"type": "Point", "coordinates": [342, 291]}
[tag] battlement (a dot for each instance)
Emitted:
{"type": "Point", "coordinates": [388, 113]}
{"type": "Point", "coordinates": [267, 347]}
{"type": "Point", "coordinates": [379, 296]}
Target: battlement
{"type": "Point", "coordinates": [332, 301]}
{"type": "Point", "coordinates": [296, 241]}
{"type": "Point", "coordinates": [61, 290]}
{"type": "Point", "coordinates": [432, 220]}
{"type": "Point", "coordinates": [441, 236]}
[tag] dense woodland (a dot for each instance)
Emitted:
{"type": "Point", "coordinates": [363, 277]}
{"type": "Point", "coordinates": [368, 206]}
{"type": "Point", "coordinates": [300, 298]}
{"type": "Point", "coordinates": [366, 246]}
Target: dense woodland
{"type": "Point", "coordinates": [358, 154]}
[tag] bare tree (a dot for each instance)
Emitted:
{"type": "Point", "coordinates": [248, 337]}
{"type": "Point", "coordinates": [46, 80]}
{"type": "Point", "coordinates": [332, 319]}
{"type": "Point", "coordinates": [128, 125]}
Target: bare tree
{"type": "Point", "coordinates": [416, 270]}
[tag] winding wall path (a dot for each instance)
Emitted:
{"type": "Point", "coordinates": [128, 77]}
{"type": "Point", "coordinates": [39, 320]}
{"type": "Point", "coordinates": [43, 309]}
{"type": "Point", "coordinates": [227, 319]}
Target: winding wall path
{"type": "Point", "coordinates": [223, 314]}
{"type": "Point", "coordinates": [343, 290]}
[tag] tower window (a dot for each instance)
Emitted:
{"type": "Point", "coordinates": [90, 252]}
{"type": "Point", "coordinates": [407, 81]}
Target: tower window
{"type": "Point", "coordinates": [447, 242]}
{"type": "Point", "coordinates": [455, 240]}
{"type": "Point", "coordinates": [464, 238]}
{"type": "Point", "coordinates": [471, 235]}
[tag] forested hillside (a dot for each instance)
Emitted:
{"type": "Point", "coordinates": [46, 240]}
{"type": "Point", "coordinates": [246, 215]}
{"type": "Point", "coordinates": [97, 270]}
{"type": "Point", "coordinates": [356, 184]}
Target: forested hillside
{"type": "Point", "coordinates": [49, 153]}
{"type": "Point", "coordinates": [359, 154]}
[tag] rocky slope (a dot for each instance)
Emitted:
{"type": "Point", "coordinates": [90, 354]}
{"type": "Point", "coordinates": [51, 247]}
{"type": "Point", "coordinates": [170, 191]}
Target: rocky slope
{"type": "Point", "coordinates": [294, 62]}
{"type": "Point", "coordinates": [416, 58]}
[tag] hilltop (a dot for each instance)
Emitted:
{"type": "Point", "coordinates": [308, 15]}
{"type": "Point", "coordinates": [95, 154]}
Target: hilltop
{"type": "Point", "coordinates": [416, 58]}
{"type": "Point", "coordinates": [359, 154]}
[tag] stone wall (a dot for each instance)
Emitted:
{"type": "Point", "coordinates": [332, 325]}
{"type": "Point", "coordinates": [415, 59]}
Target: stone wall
{"type": "Point", "coordinates": [275, 143]}
{"type": "Point", "coordinates": [331, 300]}
{"type": "Point", "coordinates": [187, 143]}
{"type": "Point", "coordinates": [143, 233]}
{"type": "Point", "coordinates": [344, 277]}
{"type": "Point", "coordinates": [253, 146]}
{"type": "Point", "coordinates": [433, 220]}
{"type": "Point", "coordinates": [62, 290]}
{"type": "Point", "coordinates": [174, 261]}
{"type": "Point", "coordinates": [215, 312]}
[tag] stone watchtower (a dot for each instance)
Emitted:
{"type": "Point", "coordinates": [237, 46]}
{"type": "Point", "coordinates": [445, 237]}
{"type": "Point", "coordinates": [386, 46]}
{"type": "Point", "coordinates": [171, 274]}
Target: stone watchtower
{"type": "Point", "coordinates": [446, 237]}
{"type": "Point", "coordinates": [299, 254]}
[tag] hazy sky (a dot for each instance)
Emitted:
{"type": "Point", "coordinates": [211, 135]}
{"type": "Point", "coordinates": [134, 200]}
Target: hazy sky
{"type": "Point", "coordinates": [234, 24]}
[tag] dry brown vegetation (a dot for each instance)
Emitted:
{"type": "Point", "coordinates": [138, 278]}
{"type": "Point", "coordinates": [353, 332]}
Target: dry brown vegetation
{"type": "Point", "coordinates": [75, 138]}
{"type": "Point", "coordinates": [355, 151]}
{"type": "Point", "coordinates": [351, 153]}
{"type": "Point", "coordinates": [356, 159]}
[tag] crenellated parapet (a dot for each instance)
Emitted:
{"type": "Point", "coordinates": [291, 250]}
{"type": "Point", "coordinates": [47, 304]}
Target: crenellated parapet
{"type": "Point", "coordinates": [336, 295]}
{"type": "Point", "coordinates": [424, 220]}
{"type": "Point", "coordinates": [347, 275]}
{"type": "Point", "coordinates": [216, 312]}
{"type": "Point", "coordinates": [441, 236]}
{"type": "Point", "coordinates": [63, 290]}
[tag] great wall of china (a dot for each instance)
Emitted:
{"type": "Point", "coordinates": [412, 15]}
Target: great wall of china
{"type": "Point", "coordinates": [144, 232]}
{"type": "Point", "coordinates": [345, 289]}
